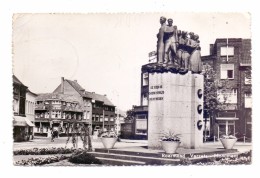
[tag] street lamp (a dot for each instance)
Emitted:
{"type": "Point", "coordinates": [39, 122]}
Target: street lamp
{"type": "Point", "coordinates": [117, 110]}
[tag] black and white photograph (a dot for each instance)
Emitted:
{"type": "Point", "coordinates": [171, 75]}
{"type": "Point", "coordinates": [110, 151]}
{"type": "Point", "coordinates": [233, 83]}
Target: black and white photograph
{"type": "Point", "coordinates": [124, 89]}
{"type": "Point", "coordinates": [139, 88]}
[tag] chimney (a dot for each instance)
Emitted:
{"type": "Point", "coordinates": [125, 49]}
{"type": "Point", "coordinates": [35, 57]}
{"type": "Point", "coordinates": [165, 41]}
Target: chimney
{"type": "Point", "coordinates": [211, 49]}
{"type": "Point", "coordinates": [105, 94]}
{"type": "Point", "coordinates": [62, 85]}
{"type": "Point", "coordinates": [76, 81]}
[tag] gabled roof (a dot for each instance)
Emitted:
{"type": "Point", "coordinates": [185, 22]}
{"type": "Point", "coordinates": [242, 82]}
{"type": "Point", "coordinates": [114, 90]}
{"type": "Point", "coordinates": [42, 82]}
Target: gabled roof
{"type": "Point", "coordinates": [29, 91]}
{"type": "Point", "coordinates": [91, 95]}
{"type": "Point", "coordinates": [76, 86]}
{"type": "Point", "coordinates": [17, 81]}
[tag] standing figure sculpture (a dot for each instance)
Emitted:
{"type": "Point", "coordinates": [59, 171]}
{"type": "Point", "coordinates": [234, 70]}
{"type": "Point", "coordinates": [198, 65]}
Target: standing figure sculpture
{"type": "Point", "coordinates": [160, 42]}
{"type": "Point", "coordinates": [195, 57]}
{"type": "Point", "coordinates": [170, 36]}
{"type": "Point", "coordinates": [182, 52]}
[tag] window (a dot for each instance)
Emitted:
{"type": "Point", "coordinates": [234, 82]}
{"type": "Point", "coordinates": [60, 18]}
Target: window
{"type": "Point", "coordinates": [248, 100]}
{"type": "Point", "coordinates": [141, 116]}
{"type": "Point", "coordinates": [248, 81]}
{"type": "Point", "coordinates": [47, 115]}
{"type": "Point", "coordinates": [15, 105]}
{"type": "Point", "coordinates": [227, 71]}
{"type": "Point", "coordinates": [145, 78]}
{"type": "Point", "coordinates": [227, 51]}
{"type": "Point", "coordinates": [141, 124]}
{"type": "Point", "coordinates": [145, 99]}
{"type": "Point", "coordinates": [86, 115]}
{"type": "Point", "coordinates": [228, 96]}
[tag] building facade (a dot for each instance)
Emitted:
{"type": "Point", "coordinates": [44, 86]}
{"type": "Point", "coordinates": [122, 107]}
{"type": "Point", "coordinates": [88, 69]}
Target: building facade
{"type": "Point", "coordinates": [55, 111]}
{"type": "Point", "coordinates": [231, 60]}
{"type": "Point", "coordinates": [137, 127]}
{"type": "Point", "coordinates": [96, 108]}
{"type": "Point", "coordinates": [23, 111]}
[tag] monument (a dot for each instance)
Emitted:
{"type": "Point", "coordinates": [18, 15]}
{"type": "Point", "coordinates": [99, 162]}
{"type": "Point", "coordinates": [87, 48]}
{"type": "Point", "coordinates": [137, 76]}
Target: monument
{"type": "Point", "coordinates": [176, 87]}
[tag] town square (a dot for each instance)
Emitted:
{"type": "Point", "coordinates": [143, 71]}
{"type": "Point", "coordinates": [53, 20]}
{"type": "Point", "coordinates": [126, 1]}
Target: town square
{"type": "Point", "coordinates": [87, 96]}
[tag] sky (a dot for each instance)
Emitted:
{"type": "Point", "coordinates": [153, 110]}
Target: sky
{"type": "Point", "coordinates": [135, 53]}
{"type": "Point", "coordinates": [104, 52]}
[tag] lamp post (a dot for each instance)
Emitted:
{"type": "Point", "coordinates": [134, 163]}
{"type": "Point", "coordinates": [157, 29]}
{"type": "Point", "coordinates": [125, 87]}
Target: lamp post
{"type": "Point", "coordinates": [117, 112]}
{"type": "Point", "coordinates": [103, 123]}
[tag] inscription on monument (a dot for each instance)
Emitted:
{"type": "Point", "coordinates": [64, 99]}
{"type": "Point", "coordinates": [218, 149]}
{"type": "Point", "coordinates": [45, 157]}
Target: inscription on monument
{"type": "Point", "coordinates": [156, 90]}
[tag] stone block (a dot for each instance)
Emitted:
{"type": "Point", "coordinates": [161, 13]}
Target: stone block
{"type": "Point", "coordinates": [176, 112]}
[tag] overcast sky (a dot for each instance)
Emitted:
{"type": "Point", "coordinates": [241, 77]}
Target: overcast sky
{"type": "Point", "coordinates": [104, 52]}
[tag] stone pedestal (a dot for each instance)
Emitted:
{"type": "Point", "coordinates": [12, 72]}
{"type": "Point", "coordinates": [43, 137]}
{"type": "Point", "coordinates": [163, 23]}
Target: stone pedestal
{"type": "Point", "coordinates": [176, 105]}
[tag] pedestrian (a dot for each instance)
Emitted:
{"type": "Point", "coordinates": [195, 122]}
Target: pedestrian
{"type": "Point", "coordinates": [52, 136]}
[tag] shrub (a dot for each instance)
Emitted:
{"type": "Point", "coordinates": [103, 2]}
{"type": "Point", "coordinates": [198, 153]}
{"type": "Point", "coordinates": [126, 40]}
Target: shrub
{"type": "Point", "coordinates": [40, 161]}
{"type": "Point", "coordinates": [84, 158]}
{"type": "Point", "coordinates": [44, 151]}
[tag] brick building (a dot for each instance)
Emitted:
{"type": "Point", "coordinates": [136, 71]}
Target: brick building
{"type": "Point", "coordinates": [231, 59]}
{"type": "Point", "coordinates": [23, 111]}
{"type": "Point", "coordinates": [97, 108]}
{"type": "Point", "coordinates": [56, 111]}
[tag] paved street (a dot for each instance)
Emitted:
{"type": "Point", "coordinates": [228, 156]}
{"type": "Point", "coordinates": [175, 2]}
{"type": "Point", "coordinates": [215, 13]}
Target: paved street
{"type": "Point", "coordinates": [43, 142]}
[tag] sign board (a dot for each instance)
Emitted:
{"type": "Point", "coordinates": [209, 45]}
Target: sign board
{"type": "Point", "coordinates": [141, 124]}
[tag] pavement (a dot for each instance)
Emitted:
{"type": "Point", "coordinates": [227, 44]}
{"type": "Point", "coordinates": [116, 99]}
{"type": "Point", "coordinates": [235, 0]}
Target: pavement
{"type": "Point", "coordinates": [43, 142]}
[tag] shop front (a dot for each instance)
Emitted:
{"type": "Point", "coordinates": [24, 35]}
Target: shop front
{"type": "Point", "coordinates": [22, 129]}
{"type": "Point", "coordinates": [226, 126]}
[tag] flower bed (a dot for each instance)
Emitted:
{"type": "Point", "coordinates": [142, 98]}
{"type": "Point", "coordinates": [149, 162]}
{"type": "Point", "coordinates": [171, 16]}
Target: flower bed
{"type": "Point", "coordinates": [46, 156]}
{"type": "Point", "coordinates": [44, 151]}
{"type": "Point", "coordinates": [40, 161]}
{"type": "Point", "coordinates": [241, 159]}
{"type": "Point", "coordinates": [84, 158]}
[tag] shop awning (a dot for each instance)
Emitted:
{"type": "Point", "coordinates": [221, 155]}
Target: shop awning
{"type": "Point", "coordinates": [22, 121]}
{"type": "Point", "coordinates": [227, 118]}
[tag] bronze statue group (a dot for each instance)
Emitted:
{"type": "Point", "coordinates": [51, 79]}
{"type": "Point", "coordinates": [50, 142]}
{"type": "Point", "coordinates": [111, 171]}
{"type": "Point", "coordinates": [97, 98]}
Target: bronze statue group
{"type": "Point", "coordinates": [177, 48]}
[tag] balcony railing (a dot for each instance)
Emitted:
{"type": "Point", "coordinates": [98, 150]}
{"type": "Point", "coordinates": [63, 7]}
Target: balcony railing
{"type": "Point", "coordinates": [75, 109]}
{"type": "Point", "coordinates": [40, 107]}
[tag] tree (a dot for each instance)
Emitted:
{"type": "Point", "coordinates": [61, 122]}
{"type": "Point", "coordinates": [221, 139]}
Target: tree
{"type": "Point", "coordinates": [76, 130]}
{"type": "Point", "coordinates": [129, 115]}
{"type": "Point", "coordinates": [212, 102]}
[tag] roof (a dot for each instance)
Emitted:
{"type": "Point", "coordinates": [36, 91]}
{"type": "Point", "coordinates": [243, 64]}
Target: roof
{"type": "Point", "coordinates": [98, 97]}
{"type": "Point", "coordinates": [56, 96]}
{"type": "Point", "coordinates": [16, 80]}
{"type": "Point", "coordinates": [76, 86]}
{"type": "Point", "coordinates": [29, 91]}
{"type": "Point", "coordinates": [90, 95]}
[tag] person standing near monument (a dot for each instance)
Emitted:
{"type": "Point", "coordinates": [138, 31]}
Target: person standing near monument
{"type": "Point", "coordinates": [182, 52]}
{"type": "Point", "coordinates": [160, 42]}
{"type": "Point", "coordinates": [170, 35]}
{"type": "Point", "coordinates": [195, 57]}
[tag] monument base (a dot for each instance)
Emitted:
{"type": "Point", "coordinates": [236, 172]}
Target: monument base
{"type": "Point", "coordinates": [175, 105]}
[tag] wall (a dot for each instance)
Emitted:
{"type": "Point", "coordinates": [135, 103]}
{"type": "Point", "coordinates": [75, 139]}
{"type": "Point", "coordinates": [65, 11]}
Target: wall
{"type": "Point", "coordinates": [173, 108]}
{"type": "Point", "coordinates": [30, 106]}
